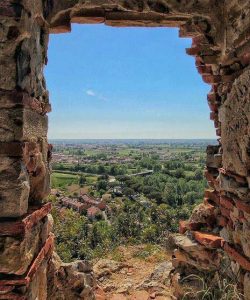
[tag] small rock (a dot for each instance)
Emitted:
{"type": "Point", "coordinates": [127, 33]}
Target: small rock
{"type": "Point", "coordinates": [140, 295]}
{"type": "Point", "coordinates": [118, 297]}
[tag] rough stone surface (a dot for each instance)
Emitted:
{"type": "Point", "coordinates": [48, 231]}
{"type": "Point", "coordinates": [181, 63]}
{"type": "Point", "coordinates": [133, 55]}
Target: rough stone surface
{"type": "Point", "coordinates": [17, 253]}
{"type": "Point", "coordinates": [14, 187]}
{"type": "Point", "coordinates": [70, 281]}
{"type": "Point", "coordinates": [220, 33]}
{"type": "Point", "coordinates": [234, 116]}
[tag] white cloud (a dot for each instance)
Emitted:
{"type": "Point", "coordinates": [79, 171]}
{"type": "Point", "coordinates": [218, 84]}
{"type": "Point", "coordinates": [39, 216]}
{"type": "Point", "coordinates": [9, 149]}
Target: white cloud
{"type": "Point", "coordinates": [90, 93]}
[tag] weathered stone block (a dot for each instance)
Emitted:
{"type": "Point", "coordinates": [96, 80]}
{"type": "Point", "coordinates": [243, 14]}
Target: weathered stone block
{"type": "Point", "coordinates": [244, 238]}
{"type": "Point", "coordinates": [208, 240]}
{"type": "Point", "coordinates": [246, 284]}
{"type": "Point", "coordinates": [38, 287]}
{"type": "Point", "coordinates": [238, 257]}
{"type": "Point", "coordinates": [19, 99]}
{"type": "Point", "coordinates": [229, 184]}
{"type": "Point", "coordinates": [227, 202]}
{"type": "Point", "coordinates": [8, 72]}
{"type": "Point", "coordinates": [35, 156]}
{"type": "Point", "coordinates": [14, 187]}
{"type": "Point", "coordinates": [226, 235]}
{"type": "Point", "coordinates": [17, 253]}
{"type": "Point", "coordinates": [234, 116]}
{"type": "Point", "coordinates": [214, 160]}
{"type": "Point", "coordinates": [203, 214]}
{"type": "Point", "coordinates": [34, 216]}
{"type": "Point", "coordinates": [22, 124]}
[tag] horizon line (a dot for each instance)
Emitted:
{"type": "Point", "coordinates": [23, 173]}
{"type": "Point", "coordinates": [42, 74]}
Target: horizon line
{"type": "Point", "coordinates": [132, 138]}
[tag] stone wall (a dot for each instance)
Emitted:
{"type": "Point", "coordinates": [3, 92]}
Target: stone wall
{"type": "Point", "coordinates": [220, 32]}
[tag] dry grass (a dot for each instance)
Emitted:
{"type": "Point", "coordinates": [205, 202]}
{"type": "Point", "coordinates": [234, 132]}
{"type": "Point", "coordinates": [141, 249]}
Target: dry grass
{"type": "Point", "coordinates": [216, 288]}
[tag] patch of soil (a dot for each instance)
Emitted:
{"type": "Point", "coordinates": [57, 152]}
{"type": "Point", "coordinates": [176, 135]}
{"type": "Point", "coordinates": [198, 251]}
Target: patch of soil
{"type": "Point", "coordinates": [139, 273]}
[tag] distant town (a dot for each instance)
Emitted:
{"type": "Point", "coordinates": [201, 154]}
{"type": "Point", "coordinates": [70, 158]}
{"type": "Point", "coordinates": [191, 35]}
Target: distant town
{"type": "Point", "coordinates": [88, 176]}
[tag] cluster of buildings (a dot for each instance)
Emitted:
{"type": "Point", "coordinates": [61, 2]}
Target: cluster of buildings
{"type": "Point", "coordinates": [85, 203]}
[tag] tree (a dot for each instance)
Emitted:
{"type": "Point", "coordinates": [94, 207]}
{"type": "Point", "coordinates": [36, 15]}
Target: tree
{"type": "Point", "coordinates": [179, 173]}
{"type": "Point", "coordinates": [157, 168]}
{"type": "Point", "coordinates": [156, 195]}
{"type": "Point", "coordinates": [101, 169]}
{"type": "Point", "coordinates": [198, 174]}
{"type": "Point", "coordinates": [82, 180]}
{"type": "Point", "coordinates": [101, 185]}
{"type": "Point", "coordinates": [149, 234]}
{"type": "Point", "coordinates": [170, 194]}
{"type": "Point", "coordinates": [128, 192]}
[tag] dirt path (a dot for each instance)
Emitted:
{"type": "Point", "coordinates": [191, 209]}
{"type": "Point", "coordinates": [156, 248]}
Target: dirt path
{"type": "Point", "coordinates": [138, 273]}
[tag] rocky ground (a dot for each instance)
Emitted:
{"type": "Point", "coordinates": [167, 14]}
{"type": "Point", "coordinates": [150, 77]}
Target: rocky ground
{"type": "Point", "coordinates": [134, 273]}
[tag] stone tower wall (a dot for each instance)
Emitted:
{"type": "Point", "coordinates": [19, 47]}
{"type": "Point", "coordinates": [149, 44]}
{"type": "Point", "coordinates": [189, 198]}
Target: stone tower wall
{"type": "Point", "coordinates": [220, 32]}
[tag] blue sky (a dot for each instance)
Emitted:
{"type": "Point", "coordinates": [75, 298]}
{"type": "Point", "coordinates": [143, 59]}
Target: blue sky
{"type": "Point", "coordinates": [107, 82]}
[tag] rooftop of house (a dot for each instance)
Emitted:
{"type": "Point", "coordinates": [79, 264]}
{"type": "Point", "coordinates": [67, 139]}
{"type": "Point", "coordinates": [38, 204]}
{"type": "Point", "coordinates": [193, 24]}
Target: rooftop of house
{"type": "Point", "coordinates": [93, 211]}
{"type": "Point", "coordinates": [88, 199]}
{"type": "Point", "coordinates": [72, 201]}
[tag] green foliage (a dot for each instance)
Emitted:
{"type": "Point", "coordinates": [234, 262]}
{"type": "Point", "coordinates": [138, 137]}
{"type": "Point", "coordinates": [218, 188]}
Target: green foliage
{"type": "Point", "coordinates": [101, 185]}
{"type": "Point", "coordinates": [82, 180]}
{"type": "Point", "coordinates": [150, 208]}
{"type": "Point", "coordinates": [61, 180]}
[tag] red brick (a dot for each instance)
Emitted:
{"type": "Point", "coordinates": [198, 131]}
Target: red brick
{"type": "Point", "coordinates": [213, 115]}
{"type": "Point", "coordinates": [193, 50]}
{"type": "Point", "coordinates": [245, 58]}
{"type": "Point", "coordinates": [16, 228]}
{"type": "Point", "coordinates": [183, 226]}
{"type": "Point", "coordinates": [213, 106]}
{"type": "Point", "coordinates": [6, 289]}
{"type": "Point", "coordinates": [218, 132]}
{"type": "Point", "coordinates": [236, 256]}
{"type": "Point", "coordinates": [213, 195]}
{"type": "Point", "coordinates": [199, 61]}
{"type": "Point", "coordinates": [211, 79]}
{"type": "Point", "coordinates": [60, 29]}
{"type": "Point", "coordinates": [225, 212]}
{"type": "Point", "coordinates": [217, 124]}
{"type": "Point", "coordinates": [208, 240]}
{"type": "Point", "coordinates": [227, 202]}
{"type": "Point", "coordinates": [17, 98]}
{"type": "Point", "coordinates": [37, 215]}
{"type": "Point", "coordinates": [45, 251]}
{"type": "Point", "coordinates": [212, 96]}
{"type": "Point", "coordinates": [222, 221]}
{"type": "Point", "coordinates": [197, 40]}
{"type": "Point", "coordinates": [87, 20]}
{"type": "Point", "coordinates": [13, 282]}
{"type": "Point", "coordinates": [242, 217]}
{"type": "Point", "coordinates": [204, 70]}
{"type": "Point", "coordinates": [244, 206]}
